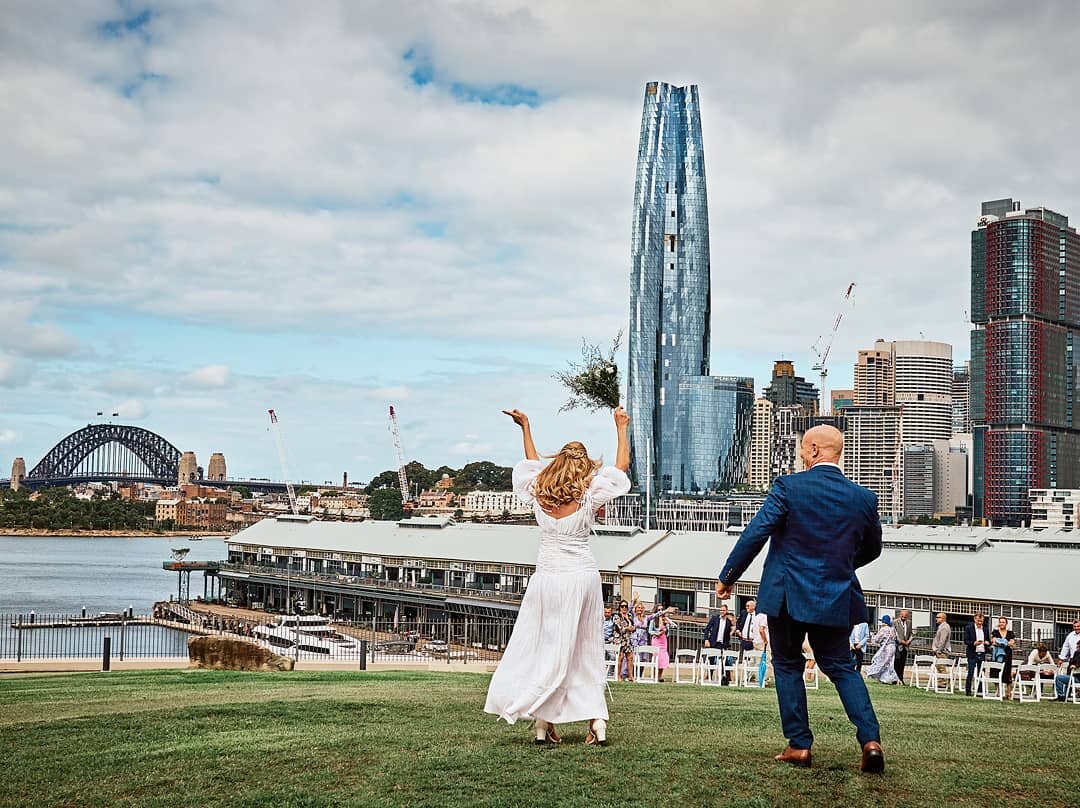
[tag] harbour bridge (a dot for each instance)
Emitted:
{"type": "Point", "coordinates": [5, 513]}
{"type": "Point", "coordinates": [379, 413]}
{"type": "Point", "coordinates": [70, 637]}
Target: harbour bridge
{"type": "Point", "coordinates": [120, 453]}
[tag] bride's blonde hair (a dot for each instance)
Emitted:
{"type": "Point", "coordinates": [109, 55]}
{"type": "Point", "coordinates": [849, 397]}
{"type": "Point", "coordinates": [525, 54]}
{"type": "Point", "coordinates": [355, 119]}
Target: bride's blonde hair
{"type": "Point", "coordinates": [566, 478]}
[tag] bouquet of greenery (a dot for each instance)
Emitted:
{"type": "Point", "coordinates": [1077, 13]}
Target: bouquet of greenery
{"type": "Point", "coordinates": [593, 384]}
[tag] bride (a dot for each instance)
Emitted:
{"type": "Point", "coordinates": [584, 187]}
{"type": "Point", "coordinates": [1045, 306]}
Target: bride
{"type": "Point", "coordinates": [553, 668]}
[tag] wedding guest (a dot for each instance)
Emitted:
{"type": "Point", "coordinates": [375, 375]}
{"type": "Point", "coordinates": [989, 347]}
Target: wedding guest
{"type": "Point", "coordinates": [1040, 655]}
{"type": "Point", "coordinates": [942, 644]}
{"type": "Point", "coordinates": [976, 641]}
{"type": "Point", "coordinates": [748, 632]}
{"type": "Point", "coordinates": [808, 655]}
{"type": "Point", "coordinates": [718, 633]}
{"type": "Point", "coordinates": [622, 632]}
{"type": "Point", "coordinates": [658, 631]}
{"type": "Point", "coordinates": [904, 635]}
{"type": "Point", "coordinates": [1070, 650]}
{"type": "Point", "coordinates": [1002, 643]}
{"type": "Point", "coordinates": [609, 624]}
{"type": "Point", "coordinates": [641, 622]}
{"type": "Point", "coordinates": [883, 665]}
{"type": "Point", "coordinates": [860, 635]}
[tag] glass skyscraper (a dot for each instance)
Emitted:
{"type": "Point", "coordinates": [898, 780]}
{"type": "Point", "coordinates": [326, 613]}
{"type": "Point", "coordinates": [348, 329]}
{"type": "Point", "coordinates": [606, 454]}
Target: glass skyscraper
{"type": "Point", "coordinates": [685, 427]}
{"type": "Point", "coordinates": [1025, 309]}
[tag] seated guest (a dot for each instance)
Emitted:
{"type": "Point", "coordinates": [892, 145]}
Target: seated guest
{"type": "Point", "coordinates": [1040, 655]}
{"type": "Point", "coordinates": [1070, 657]}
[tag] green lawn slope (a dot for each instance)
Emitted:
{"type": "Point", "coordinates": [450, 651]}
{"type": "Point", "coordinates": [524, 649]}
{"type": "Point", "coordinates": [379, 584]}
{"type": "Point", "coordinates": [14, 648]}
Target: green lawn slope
{"type": "Point", "coordinates": [313, 739]}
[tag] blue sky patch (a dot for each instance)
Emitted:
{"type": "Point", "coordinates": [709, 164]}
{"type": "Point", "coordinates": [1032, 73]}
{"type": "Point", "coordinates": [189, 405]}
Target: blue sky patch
{"type": "Point", "coordinates": [422, 73]}
{"type": "Point", "coordinates": [136, 23]}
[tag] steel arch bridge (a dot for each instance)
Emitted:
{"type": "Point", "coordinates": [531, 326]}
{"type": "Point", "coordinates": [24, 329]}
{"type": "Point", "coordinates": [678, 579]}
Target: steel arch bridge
{"type": "Point", "coordinates": [109, 451]}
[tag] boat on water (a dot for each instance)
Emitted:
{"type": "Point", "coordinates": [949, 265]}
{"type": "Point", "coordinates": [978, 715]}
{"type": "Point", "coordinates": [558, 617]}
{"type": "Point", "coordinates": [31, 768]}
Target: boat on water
{"type": "Point", "coordinates": [308, 633]}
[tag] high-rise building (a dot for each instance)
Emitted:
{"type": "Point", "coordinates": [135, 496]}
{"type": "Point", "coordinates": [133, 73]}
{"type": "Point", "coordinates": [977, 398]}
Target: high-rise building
{"type": "Point", "coordinates": [871, 447]}
{"type": "Point", "coordinates": [786, 389]}
{"type": "Point", "coordinates": [669, 314]}
{"type": "Point", "coordinates": [923, 374]}
{"type": "Point", "coordinates": [875, 380]}
{"type": "Point", "coordinates": [1056, 508]}
{"type": "Point", "coordinates": [961, 399]}
{"type": "Point", "coordinates": [759, 472]}
{"type": "Point", "coordinates": [951, 479]}
{"type": "Point", "coordinates": [1025, 313]}
{"type": "Point", "coordinates": [841, 399]}
{"type": "Point", "coordinates": [786, 439]}
{"type": "Point", "coordinates": [918, 464]}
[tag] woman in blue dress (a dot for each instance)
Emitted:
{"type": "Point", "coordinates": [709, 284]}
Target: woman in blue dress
{"type": "Point", "coordinates": [883, 666]}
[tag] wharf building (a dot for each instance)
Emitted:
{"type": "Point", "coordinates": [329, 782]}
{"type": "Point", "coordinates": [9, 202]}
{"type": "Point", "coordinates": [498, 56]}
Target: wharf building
{"type": "Point", "coordinates": [690, 431]}
{"type": "Point", "coordinates": [430, 570]}
{"type": "Point", "coordinates": [1025, 315]}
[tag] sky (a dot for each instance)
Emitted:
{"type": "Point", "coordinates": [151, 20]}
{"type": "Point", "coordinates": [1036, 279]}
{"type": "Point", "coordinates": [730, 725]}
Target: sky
{"type": "Point", "coordinates": [208, 209]}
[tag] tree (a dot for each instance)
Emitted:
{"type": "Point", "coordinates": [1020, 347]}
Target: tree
{"type": "Point", "coordinates": [243, 491]}
{"type": "Point", "coordinates": [385, 479]}
{"type": "Point", "coordinates": [385, 505]}
{"type": "Point", "coordinates": [483, 474]}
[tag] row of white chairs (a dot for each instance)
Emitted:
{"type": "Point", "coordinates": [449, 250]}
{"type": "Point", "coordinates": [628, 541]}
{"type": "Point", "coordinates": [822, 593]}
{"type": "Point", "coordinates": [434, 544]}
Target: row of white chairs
{"type": "Point", "coordinates": [707, 667]}
{"type": "Point", "coordinates": [1029, 685]}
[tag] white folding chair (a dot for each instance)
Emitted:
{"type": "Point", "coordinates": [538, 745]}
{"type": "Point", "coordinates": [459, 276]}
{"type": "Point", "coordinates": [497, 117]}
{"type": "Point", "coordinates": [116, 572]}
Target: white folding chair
{"type": "Point", "coordinates": [811, 676]}
{"type": "Point", "coordinates": [991, 684]}
{"type": "Point", "coordinates": [922, 668]}
{"type": "Point", "coordinates": [941, 681]}
{"type": "Point", "coordinates": [751, 662]}
{"type": "Point", "coordinates": [611, 661]}
{"type": "Point", "coordinates": [711, 667]}
{"type": "Point", "coordinates": [686, 661]}
{"type": "Point", "coordinates": [731, 666]}
{"type": "Point", "coordinates": [1046, 680]}
{"type": "Point", "coordinates": [1072, 692]}
{"type": "Point", "coordinates": [1027, 689]}
{"type": "Point", "coordinates": [960, 672]}
{"type": "Point", "coordinates": [645, 667]}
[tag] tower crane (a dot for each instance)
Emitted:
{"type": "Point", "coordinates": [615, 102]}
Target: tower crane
{"type": "Point", "coordinates": [275, 427]}
{"type": "Point", "coordinates": [403, 480]}
{"type": "Point", "coordinates": [824, 344]}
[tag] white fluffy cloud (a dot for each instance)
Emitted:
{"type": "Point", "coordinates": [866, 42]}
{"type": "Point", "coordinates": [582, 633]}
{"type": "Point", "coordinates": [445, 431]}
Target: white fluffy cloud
{"type": "Point", "coordinates": [8, 436]}
{"type": "Point", "coordinates": [209, 377]}
{"type": "Point", "coordinates": [132, 409]}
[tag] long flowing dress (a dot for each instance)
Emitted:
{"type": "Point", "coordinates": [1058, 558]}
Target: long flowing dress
{"type": "Point", "coordinates": [883, 667]}
{"type": "Point", "coordinates": [553, 668]}
{"type": "Point", "coordinates": [659, 641]}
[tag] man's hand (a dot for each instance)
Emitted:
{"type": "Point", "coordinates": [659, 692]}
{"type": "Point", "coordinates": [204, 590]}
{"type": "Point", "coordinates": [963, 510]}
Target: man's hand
{"type": "Point", "coordinates": [723, 591]}
{"type": "Point", "coordinates": [707, 644]}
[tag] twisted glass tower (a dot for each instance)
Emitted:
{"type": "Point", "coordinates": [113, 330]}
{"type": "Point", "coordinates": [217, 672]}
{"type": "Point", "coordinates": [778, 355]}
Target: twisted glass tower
{"type": "Point", "coordinates": [669, 398]}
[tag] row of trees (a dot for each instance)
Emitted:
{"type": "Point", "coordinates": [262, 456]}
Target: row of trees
{"type": "Point", "coordinates": [481, 475]}
{"type": "Point", "coordinates": [58, 509]}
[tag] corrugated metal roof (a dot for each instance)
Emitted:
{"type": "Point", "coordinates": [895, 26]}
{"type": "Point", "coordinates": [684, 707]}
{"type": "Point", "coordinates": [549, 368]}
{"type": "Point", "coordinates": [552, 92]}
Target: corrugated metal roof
{"type": "Point", "coordinates": [496, 544]}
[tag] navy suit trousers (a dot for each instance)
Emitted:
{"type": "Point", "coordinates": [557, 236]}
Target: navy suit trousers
{"type": "Point", "coordinates": [832, 652]}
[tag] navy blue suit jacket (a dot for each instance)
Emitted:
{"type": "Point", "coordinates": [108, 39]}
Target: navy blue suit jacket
{"type": "Point", "coordinates": [822, 528]}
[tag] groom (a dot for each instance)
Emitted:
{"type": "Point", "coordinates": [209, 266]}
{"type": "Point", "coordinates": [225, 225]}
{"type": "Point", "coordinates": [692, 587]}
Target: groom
{"type": "Point", "coordinates": [823, 527]}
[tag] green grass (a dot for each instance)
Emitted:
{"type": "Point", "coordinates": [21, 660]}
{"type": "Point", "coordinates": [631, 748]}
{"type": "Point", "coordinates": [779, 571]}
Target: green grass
{"type": "Point", "coordinates": [314, 739]}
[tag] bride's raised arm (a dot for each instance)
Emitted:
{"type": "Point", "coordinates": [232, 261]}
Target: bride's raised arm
{"type": "Point", "coordinates": [522, 420]}
{"type": "Point", "coordinates": [622, 453]}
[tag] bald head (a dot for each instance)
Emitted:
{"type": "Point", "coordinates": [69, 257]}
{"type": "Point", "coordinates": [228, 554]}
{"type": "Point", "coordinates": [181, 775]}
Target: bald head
{"type": "Point", "coordinates": [822, 444]}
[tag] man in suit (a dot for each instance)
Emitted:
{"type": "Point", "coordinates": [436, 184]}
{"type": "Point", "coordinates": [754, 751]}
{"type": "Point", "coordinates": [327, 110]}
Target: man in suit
{"type": "Point", "coordinates": [718, 634]}
{"type": "Point", "coordinates": [904, 633]}
{"type": "Point", "coordinates": [977, 643]}
{"type": "Point", "coordinates": [822, 528]}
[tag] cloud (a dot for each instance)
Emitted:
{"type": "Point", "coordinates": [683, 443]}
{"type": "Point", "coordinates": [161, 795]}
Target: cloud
{"type": "Point", "coordinates": [209, 377]}
{"type": "Point", "coordinates": [20, 334]}
{"type": "Point", "coordinates": [471, 448]}
{"type": "Point", "coordinates": [12, 371]}
{"type": "Point", "coordinates": [130, 382]}
{"type": "Point", "coordinates": [131, 409]}
{"type": "Point", "coordinates": [391, 393]}
{"type": "Point", "coordinates": [8, 436]}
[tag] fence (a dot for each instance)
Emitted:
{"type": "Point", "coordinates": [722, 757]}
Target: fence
{"type": "Point", "coordinates": [165, 632]}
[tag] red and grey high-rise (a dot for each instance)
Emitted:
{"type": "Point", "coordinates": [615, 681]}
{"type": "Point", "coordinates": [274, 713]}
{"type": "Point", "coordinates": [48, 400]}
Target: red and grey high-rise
{"type": "Point", "coordinates": [1025, 309]}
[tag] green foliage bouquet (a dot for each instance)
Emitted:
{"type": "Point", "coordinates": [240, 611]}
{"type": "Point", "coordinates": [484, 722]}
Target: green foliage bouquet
{"type": "Point", "coordinates": [594, 383]}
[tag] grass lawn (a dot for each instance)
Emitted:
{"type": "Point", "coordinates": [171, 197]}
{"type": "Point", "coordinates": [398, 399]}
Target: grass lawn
{"type": "Point", "coordinates": [313, 739]}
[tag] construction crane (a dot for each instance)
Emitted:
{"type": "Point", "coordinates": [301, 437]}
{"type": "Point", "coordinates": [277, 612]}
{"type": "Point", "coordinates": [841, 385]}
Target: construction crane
{"type": "Point", "coordinates": [403, 480]}
{"type": "Point", "coordinates": [822, 351]}
{"type": "Point", "coordinates": [275, 427]}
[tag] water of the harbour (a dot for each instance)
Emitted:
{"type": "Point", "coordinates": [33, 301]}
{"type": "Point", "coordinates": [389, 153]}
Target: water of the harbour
{"type": "Point", "coordinates": [61, 575]}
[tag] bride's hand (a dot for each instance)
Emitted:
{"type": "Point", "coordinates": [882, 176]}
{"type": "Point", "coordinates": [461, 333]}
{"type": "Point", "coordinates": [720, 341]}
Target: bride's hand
{"type": "Point", "coordinates": [520, 418]}
{"type": "Point", "coordinates": [622, 418]}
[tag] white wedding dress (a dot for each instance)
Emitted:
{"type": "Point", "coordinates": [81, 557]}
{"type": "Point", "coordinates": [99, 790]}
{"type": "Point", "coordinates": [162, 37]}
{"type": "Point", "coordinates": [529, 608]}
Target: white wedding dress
{"type": "Point", "coordinates": [553, 668]}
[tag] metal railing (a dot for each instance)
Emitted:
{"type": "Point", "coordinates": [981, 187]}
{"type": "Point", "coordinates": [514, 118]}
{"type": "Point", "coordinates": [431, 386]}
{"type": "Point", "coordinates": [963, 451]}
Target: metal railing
{"type": "Point", "coordinates": [378, 583]}
{"type": "Point", "coordinates": [165, 632]}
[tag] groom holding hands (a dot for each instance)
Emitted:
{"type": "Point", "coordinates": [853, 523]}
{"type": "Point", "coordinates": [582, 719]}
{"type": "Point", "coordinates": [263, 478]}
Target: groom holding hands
{"type": "Point", "coordinates": [822, 528]}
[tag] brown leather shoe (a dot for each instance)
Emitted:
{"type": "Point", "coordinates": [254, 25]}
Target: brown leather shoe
{"type": "Point", "coordinates": [796, 757]}
{"type": "Point", "coordinates": [873, 759]}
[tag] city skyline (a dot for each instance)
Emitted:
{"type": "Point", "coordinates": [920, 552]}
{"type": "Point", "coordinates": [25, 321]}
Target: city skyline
{"type": "Point", "coordinates": [189, 250]}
